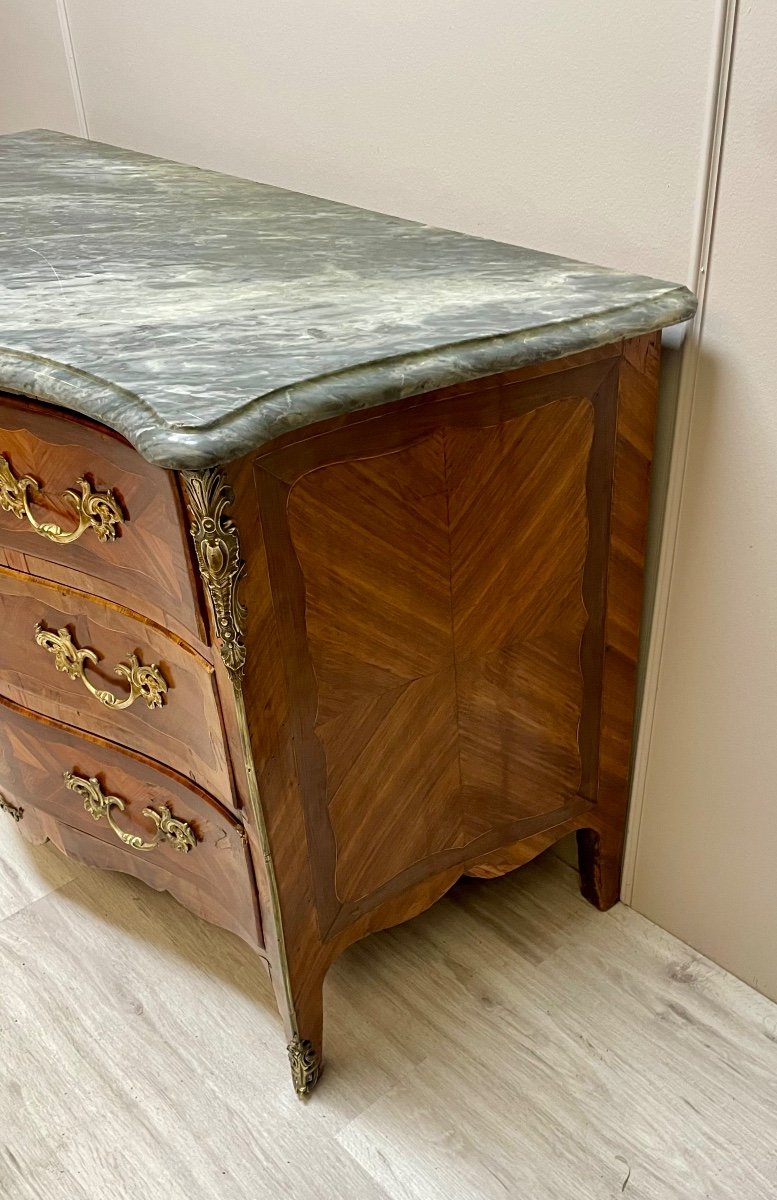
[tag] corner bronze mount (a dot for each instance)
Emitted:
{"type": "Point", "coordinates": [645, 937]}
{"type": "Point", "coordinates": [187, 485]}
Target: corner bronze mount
{"type": "Point", "coordinates": [305, 1065]}
{"type": "Point", "coordinates": [217, 546]}
{"type": "Point", "coordinates": [218, 554]}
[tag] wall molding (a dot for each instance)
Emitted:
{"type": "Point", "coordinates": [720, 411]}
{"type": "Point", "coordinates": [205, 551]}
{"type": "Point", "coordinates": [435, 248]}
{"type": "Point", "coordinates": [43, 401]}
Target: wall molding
{"type": "Point", "coordinates": [725, 33]}
{"type": "Point", "coordinates": [72, 67]}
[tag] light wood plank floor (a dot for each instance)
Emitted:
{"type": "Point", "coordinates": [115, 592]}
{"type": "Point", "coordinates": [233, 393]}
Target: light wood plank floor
{"type": "Point", "coordinates": [511, 1042]}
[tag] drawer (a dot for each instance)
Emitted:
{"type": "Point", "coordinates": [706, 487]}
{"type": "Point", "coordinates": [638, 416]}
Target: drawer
{"type": "Point", "coordinates": [89, 797]}
{"type": "Point", "coordinates": [162, 702]}
{"type": "Point", "coordinates": [142, 561]}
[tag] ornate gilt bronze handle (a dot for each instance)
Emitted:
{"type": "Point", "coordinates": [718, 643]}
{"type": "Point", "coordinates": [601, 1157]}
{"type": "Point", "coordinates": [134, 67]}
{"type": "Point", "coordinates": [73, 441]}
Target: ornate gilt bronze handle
{"type": "Point", "coordinates": [95, 510]}
{"type": "Point", "coordinates": [147, 682]}
{"type": "Point", "coordinates": [98, 805]}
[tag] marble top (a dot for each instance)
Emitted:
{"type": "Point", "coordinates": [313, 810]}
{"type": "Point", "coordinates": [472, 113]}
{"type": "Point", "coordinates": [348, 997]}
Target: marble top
{"type": "Point", "coordinates": [201, 315]}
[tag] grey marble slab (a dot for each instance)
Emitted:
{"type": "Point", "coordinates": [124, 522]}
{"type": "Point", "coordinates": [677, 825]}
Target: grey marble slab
{"type": "Point", "coordinates": [201, 315]}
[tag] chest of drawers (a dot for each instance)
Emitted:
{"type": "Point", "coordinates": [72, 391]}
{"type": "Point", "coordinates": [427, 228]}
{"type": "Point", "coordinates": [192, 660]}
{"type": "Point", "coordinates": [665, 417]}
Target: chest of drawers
{"type": "Point", "coordinates": [306, 656]}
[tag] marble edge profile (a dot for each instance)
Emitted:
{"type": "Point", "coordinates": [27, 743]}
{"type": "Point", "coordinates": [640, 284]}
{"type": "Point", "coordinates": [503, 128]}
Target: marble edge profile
{"type": "Point", "coordinates": [256, 422]}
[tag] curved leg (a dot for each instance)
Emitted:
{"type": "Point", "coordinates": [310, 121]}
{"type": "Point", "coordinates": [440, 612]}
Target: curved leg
{"type": "Point", "coordinates": [599, 854]}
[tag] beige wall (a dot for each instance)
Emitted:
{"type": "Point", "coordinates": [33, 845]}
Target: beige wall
{"type": "Point", "coordinates": [573, 126]}
{"type": "Point", "coordinates": [706, 862]}
{"type": "Point", "coordinates": [35, 84]}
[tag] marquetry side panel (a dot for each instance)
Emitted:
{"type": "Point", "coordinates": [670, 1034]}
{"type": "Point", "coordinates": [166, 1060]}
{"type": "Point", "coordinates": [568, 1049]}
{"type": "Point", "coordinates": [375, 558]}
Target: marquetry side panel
{"type": "Point", "coordinates": [440, 621]}
{"type": "Point", "coordinates": [371, 537]}
{"type": "Point", "coordinates": [518, 609]}
{"type": "Point", "coordinates": [444, 628]}
{"type": "Point", "coordinates": [442, 618]}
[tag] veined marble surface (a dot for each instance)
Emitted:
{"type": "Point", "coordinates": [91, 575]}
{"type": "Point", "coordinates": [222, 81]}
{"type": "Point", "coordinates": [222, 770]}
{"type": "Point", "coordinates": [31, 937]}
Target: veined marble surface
{"type": "Point", "coordinates": [201, 315]}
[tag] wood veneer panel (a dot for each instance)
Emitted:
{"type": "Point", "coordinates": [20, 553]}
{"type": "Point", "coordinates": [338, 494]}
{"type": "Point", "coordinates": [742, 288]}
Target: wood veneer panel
{"type": "Point", "coordinates": [361, 552]}
{"type": "Point", "coordinates": [518, 608]}
{"type": "Point", "coordinates": [444, 629]}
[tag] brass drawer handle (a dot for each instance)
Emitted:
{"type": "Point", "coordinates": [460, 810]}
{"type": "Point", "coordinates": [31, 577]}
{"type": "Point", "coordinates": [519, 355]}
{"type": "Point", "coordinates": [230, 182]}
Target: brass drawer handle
{"type": "Point", "coordinates": [95, 510]}
{"type": "Point", "coordinates": [147, 682]}
{"type": "Point", "coordinates": [98, 805]}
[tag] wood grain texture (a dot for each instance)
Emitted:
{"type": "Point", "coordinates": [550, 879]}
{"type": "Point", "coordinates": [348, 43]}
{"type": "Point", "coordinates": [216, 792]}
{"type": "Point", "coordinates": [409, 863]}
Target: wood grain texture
{"type": "Point", "coordinates": [148, 567]}
{"type": "Point", "coordinates": [444, 630]}
{"type": "Point", "coordinates": [185, 732]}
{"type": "Point", "coordinates": [214, 879]}
{"type": "Point", "coordinates": [510, 1042]}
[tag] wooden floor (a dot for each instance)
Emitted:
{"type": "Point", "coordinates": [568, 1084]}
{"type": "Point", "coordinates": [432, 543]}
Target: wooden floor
{"type": "Point", "coordinates": [512, 1042]}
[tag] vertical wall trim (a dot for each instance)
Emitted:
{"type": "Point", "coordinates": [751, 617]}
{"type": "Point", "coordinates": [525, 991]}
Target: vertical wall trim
{"type": "Point", "coordinates": [701, 251]}
{"type": "Point", "coordinates": [72, 67]}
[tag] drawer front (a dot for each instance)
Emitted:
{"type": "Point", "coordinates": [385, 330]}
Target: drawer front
{"type": "Point", "coordinates": [60, 647]}
{"type": "Point", "coordinates": [133, 542]}
{"type": "Point", "coordinates": [92, 798]}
